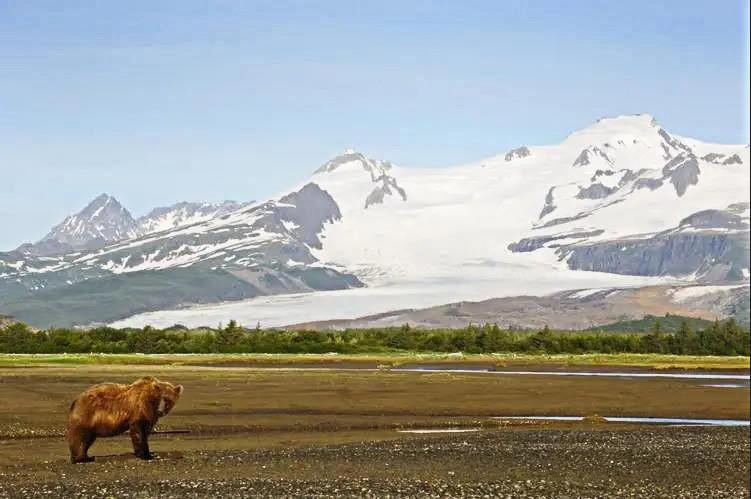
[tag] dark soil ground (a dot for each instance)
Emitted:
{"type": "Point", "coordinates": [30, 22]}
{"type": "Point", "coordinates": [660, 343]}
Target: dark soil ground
{"type": "Point", "coordinates": [296, 433]}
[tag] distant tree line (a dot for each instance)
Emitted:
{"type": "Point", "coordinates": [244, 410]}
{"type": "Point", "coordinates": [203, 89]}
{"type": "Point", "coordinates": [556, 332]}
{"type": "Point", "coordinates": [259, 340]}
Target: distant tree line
{"type": "Point", "coordinates": [720, 338]}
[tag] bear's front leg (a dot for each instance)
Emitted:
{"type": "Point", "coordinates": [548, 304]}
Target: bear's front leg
{"type": "Point", "coordinates": [139, 435]}
{"type": "Point", "coordinates": [79, 442]}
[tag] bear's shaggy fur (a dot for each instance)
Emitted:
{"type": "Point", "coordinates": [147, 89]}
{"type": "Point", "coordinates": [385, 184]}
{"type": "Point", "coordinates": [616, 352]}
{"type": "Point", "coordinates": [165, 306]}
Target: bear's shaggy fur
{"type": "Point", "coordinates": [110, 409]}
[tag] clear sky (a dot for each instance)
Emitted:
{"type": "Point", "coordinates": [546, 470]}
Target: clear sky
{"type": "Point", "coordinates": [160, 101]}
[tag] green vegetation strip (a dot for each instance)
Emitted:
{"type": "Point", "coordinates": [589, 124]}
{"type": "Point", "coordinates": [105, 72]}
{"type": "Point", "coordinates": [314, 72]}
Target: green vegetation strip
{"type": "Point", "coordinates": [717, 339]}
{"type": "Point", "coordinates": [651, 361]}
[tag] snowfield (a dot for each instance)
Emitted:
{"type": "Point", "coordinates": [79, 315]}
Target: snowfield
{"type": "Point", "coordinates": [420, 237]}
{"type": "Point", "coordinates": [282, 310]}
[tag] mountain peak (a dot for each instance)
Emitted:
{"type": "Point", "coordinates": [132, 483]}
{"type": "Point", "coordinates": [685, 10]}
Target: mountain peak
{"type": "Point", "coordinates": [97, 204]}
{"type": "Point", "coordinates": [102, 198]}
{"type": "Point", "coordinates": [102, 221]}
{"type": "Point", "coordinates": [348, 156]}
{"type": "Point", "coordinates": [630, 119]}
{"type": "Point", "coordinates": [637, 124]}
{"type": "Point", "coordinates": [621, 129]}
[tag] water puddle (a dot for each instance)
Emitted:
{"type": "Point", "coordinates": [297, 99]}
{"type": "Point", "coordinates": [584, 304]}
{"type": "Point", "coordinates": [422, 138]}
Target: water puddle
{"type": "Point", "coordinates": [609, 374]}
{"type": "Point", "coordinates": [732, 385]}
{"type": "Point", "coordinates": [647, 420]}
{"type": "Point", "coordinates": [439, 430]}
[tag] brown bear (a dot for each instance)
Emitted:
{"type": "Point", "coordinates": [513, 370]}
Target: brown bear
{"type": "Point", "coordinates": [110, 409]}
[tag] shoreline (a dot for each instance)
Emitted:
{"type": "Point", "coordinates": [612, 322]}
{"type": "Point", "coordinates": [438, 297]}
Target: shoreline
{"type": "Point", "coordinates": [492, 362]}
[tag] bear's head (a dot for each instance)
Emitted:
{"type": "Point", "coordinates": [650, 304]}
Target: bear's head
{"type": "Point", "coordinates": [169, 394]}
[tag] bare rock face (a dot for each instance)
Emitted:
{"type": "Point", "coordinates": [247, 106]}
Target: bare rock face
{"type": "Point", "coordinates": [733, 160]}
{"type": "Point", "coordinates": [387, 187]}
{"type": "Point", "coordinates": [722, 159]}
{"type": "Point", "coordinates": [710, 243]}
{"type": "Point", "coordinates": [385, 184]}
{"type": "Point", "coordinates": [549, 206]}
{"type": "Point", "coordinates": [534, 243]}
{"type": "Point", "coordinates": [595, 191]}
{"type": "Point", "coordinates": [648, 183]}
{"type": "Point", "coordinates": [674, 254]}
{"type": "Point", "coordinates": [671, 144]}
{"type": "Point", "coordinates": [727, 219]}
{"type": "Point", "coordinates": [310, 208]}
{"type": "Point", "coordinates": [586, 156]}
{"type": "Point", "coordinates": [682, 171]}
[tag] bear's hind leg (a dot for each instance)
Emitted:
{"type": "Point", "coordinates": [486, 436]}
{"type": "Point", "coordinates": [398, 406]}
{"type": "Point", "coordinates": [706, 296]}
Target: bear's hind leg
{"type": "Point", "coordinates": [139, 434]}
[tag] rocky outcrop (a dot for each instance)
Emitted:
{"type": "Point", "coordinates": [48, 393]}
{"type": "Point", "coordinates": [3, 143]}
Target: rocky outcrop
{"type": "Point", "coordinates": [585, 157]}
{"type": "Point", "coordinates": [682, 171]}
{"type": "Point", "coordinates": [672, 144]}
{"type": "Point", "coordinates": [713, 157]}
{"type": "Point", "coordinates": [675, 254]}
{"type": "Point", "coordinates": [518, 153]}
{"type": "Point", "coordinates": [387, 187]}
{"type": "Point", "coordinates": [727, 219]}
{"type": "Point", "coordinates": [648, 183]}
{"type": "Point", "coordinates": [713, 244]}
{"type": "Point", "coordinates": [349, 156]}
{"type": "Point", "coordinates": [307, 210]}
{"type": "Point", "coordinates": [549, 206]}
{"type": "Point", "coordinates": [385, 184]}
{"type": "Point", "coordinates": [534, 243]}
{"type": "Point", "coordinates": [733, 160]}
{"type": "Point", "coordinates": [595, 191]}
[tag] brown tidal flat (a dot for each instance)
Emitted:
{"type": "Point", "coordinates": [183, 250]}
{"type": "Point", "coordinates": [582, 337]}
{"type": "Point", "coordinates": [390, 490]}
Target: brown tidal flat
{"type": "Point", "coordinates": [304, 432]}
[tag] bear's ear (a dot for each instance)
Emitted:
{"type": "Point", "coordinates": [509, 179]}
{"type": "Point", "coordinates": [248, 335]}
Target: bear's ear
{"type": "Point", "coordinates": [179, 390]}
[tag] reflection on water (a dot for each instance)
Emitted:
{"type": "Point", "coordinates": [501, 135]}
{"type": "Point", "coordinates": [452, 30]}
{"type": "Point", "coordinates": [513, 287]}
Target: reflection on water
{"type": "Point", "coordinates": [619, 419]}
{"type": "Point", "coordinates": [609, 374]}
{"type": "Point", "coordinates": [439, 430]}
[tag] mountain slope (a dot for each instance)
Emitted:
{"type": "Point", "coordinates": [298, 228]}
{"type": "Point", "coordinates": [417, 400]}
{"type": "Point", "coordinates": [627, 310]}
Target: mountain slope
{"type": "Point", "coordinates": [183, 213]}
{"type": "Point", "coordinates": [577, 309]}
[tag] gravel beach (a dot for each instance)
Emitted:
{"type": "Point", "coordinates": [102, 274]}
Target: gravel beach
{"type": "Point", "coordinates": [593, 462]}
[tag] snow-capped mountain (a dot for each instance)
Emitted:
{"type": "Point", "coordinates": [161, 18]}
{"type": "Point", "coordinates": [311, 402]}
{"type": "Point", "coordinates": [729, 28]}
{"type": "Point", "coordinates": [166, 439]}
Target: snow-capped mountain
{"type": "Point", "coordinates": [622, 202]}
{"type": "Point", "coordinates": [549, 207]}
{"type": "Point", "coordinates": [102, 221]}
{"type": "Point", "coordinates": [240, 251]}
{"type": "Point", "coordinates": [105, 221]}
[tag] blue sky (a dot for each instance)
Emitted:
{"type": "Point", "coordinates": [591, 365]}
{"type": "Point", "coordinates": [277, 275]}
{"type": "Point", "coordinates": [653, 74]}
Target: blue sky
{"type": "Point", "coordinates": [157, 102]}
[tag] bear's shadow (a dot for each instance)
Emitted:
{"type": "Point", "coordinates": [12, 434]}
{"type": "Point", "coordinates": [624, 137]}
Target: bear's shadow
{"type": "Point", "coordinates": [161, 456]}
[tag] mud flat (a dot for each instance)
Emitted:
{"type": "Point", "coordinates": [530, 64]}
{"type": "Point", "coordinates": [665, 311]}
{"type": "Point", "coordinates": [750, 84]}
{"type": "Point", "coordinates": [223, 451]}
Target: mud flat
{"type": "Point", "coordinates": [282, 432]}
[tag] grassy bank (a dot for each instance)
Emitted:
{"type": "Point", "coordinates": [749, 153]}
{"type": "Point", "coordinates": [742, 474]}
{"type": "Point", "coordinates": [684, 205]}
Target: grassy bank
{"type": "Point", "coordinates": [651, 361]}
